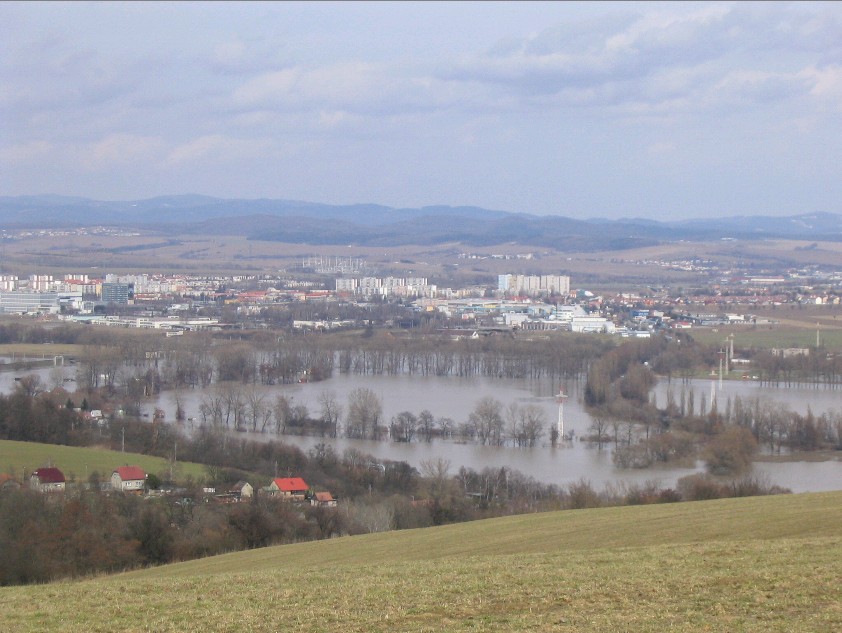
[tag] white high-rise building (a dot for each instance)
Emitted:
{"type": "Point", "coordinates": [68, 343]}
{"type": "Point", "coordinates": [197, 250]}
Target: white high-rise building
{"type": "Point", "coordinates": [533, 284]}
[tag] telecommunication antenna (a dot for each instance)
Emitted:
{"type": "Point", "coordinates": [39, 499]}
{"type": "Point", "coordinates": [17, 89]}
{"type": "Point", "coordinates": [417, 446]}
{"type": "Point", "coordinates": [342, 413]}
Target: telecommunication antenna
{"type": "Point", "coordinates": [561, 398]}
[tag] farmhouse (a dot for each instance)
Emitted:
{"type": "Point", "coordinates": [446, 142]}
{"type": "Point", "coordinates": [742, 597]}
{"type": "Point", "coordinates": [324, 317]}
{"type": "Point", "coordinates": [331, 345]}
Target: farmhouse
{"type": "Point", "coordinates": [128, 479]}
{"type": "Point", "coordinates": [288, 488]}
{"type": "Point", "coordinates": [242, 490]}
{"type": "Point", "coordinates": [47, 480]}
{"type": "Point", "coordinates": [323, 500]}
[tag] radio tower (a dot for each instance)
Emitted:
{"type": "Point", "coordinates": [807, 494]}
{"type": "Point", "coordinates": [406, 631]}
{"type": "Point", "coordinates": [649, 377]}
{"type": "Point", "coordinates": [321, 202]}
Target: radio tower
{"type": "Point", "coordinates": [561, 398]}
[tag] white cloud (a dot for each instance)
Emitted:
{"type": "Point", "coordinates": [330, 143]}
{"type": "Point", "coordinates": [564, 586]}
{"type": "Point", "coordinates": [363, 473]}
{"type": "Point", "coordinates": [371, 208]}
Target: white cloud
{"type": "Point", "coordinates": [346, 83]}
{"type": "Point", "coordinates": [214, 148]}
{"type": "Point", "coordinates": [826, 84]}
{"type": "Point", "coordinates": [122, 150]}
{"type": "Point", "coordinates": [662, 59]}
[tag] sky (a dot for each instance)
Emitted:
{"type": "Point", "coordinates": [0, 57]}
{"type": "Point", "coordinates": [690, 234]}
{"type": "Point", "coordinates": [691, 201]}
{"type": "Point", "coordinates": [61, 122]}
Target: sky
{"type": "Point", "coordinates": [611, 110]}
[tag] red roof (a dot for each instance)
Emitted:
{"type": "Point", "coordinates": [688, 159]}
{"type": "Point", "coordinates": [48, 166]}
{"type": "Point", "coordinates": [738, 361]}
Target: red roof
{"type": "Point", "coordinates": [324, 497]}
{"type": "Point", "coordinates": [291, 484]}
{"type": "Point", "coordinates": [130, 473]}
{"type": "Point", "coordinates": [49, 475]}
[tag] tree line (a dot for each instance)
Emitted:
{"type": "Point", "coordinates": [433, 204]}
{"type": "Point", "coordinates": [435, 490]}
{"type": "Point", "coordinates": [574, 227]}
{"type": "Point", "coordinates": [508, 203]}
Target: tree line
{"type": "Point", "coordinates": [726, 434]}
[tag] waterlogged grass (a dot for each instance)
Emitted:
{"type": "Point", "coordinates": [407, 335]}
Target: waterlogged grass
{"type": "Point", "coordinates": [768, 564]}
{"type": "Point", "coordinates": [769, 337]}
{"type": "Point", "coordinates": [40, 350]}
{"type": "Point", "coordinates": [81, 462]}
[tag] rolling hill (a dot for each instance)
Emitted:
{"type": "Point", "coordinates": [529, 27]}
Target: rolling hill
{"type": "Point", "coordinates": [756, 564]}
{"type": "Point", "coordinates": [294, 221]}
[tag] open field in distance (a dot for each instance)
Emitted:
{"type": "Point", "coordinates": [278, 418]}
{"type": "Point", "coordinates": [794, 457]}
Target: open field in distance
{"type": "Point", "coordinates": [40, 350]}
{"type": "Point", "coordinates": [81, 462]}
{"type": "Point", "coordinates": [191, 253]}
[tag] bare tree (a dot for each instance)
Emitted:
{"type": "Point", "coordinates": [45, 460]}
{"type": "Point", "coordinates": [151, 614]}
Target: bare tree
{"type": "Point", "coordinates": [331, 411]}
{"type": "Point", "coordinates": [533, 423]}
{"type": "Point", "coordinates": [404, 426]}
{"type": "Point", "coordinates": [255, 407]}
{"type": "Point", "coordinates": [486, 421]}
{"type": "Point", "coordinates": [426, 425]}
{"type": "Point", "coordinates": [364, 414]}
{"type": "Point", "coordinates": [283, 413]}
{"type": "Point", "coordinates": [599, 426]}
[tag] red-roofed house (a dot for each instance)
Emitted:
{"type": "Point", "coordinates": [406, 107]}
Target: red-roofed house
{"type": "Point", "coordinates": [47, 480]}
{"type": "Point", "coordinates": [288, 488]}
{"type": "Point", "coordinates": [323, 500]}
{"type": "Point", "coordinates": [128, 479]}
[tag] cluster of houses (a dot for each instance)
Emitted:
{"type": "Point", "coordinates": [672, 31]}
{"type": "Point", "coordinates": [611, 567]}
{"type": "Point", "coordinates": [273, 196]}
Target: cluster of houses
{"type": "Point", "coordinates": [132, 479]}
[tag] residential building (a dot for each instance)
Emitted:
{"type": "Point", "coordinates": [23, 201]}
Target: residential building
{"type": "Point", "coordinates": [323, 500]}
{"type": "Point", "coordinates": [47, 480]}
{"type": "Point", "coordinates": [242, 490]}
{"type": "Point", "coordinates": [288, 488]}
{"type": "Point", "coordinates": [533, 285]}
{"type": "Point", "coordinates": [128, 479]}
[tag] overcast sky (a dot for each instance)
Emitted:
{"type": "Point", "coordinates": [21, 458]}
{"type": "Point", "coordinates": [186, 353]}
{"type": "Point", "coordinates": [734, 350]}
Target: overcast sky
{"type": "Point", "coordinates": [585, 110]}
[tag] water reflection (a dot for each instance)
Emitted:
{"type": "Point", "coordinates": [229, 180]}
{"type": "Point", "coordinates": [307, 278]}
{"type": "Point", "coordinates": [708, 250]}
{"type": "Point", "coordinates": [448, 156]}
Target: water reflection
{"type": "Point", "coordinates": [456, 397]}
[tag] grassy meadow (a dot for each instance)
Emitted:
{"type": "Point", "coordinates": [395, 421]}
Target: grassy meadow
{"type": "Point", "coordinates": [768, 337]}
{"type": "Point", "coordinates": [40, 350]}
{"type": "Point", "coordinates": [75, 461]}
{"type": "Point", "coordinates": [756, 564]}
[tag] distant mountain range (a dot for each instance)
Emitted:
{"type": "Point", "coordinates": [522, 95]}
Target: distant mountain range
{"type": "Point", "coordinates": [376, 225]}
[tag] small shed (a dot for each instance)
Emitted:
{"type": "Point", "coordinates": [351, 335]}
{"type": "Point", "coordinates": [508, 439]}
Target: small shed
{"type": "Point", "coordinates": [323, 500]}
{"type": "Point", "coordinates": [242, 490]}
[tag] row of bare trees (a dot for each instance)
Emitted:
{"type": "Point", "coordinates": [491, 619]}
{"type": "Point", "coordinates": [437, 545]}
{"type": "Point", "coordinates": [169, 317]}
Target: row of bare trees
{"type": "Point", "coordinates": [200, 360]}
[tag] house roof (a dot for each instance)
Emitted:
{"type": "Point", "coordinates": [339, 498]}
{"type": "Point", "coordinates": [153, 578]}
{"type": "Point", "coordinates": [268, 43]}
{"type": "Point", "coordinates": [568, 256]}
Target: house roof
{"type": "Point", "coordinates": [5, 477]}
{"type": "Point", "coordinates": [291, 484]}
{"type": "Point", "coordinates": [49, 475]}
{"type": "Point", "coordinates": [324, 497]}
{"type": "Point", "coordinates": [237, 487]}
{"type": "Point", "coordinates": [130, 473]}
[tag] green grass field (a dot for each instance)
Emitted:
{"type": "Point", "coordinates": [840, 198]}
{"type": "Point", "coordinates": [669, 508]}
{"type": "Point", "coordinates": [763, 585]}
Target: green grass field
{"type": "Point", "coordinates": [41, 350]}
{"type": "Point", "coordinates": [757, 564]}
{"type": "Point", "coordinates": [15, 456]}
{"type": "Point", "coordinates": [768, 337]}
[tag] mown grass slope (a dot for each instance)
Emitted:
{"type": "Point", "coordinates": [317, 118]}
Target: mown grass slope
{"type": "Point", "coordinates": [77, 461]}
{"type": "Point", "coordinates": [759, 564]}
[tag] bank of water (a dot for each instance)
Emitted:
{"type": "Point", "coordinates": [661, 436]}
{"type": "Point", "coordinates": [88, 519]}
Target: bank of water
{"type": "Point", "coordinates": [455, 398]}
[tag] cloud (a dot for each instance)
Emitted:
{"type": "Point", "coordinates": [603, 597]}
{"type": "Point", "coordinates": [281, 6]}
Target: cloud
{"type": "Point", "coordinates": [241, 56]}
{"type": "Point", "coordinates": [345, 83]}
{"type": "Point", "coordinates": [663, 59]}
{"type": "Point", "coordinates": [826, 84]}
{"type": "Point", "coordinates": [214, 148]}
{"type": "Point", "coordinates": [122, 150]}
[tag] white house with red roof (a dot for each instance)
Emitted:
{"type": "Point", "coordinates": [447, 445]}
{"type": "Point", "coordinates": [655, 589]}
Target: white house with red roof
{"type": "Point", "coordinates": [128, 479]}
{"type": "Point", "coordinates": [288, 488]}
{"type": "Point", "coordinates": [47, 480]}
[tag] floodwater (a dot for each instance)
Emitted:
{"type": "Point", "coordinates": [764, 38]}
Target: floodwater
{"type": "Point", "coordinates": [568, 462]}
{"type": "Point", "coordinates": [455, 398]}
